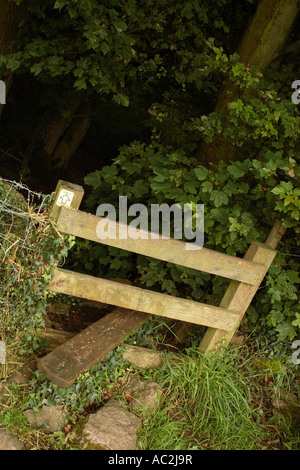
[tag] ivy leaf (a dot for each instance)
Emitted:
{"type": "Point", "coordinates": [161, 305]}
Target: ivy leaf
{"type": "Point", "coordinates": [297, 321]}
{"type": "Point", "coordinates": [105, 48]}
{"type": "Point", "coordinates": [116, 264]}
{"type": "Point", "coordinates": [163, 186]}
{"type": "Point", "coordinates": [293, 276]}
{"type": "Point", "coordinates": [168, 285]}
{"type": "Point", "coordinates": [190, 187]}
{"type": "Point", "coordinates": [13, 64]}
{"type": "Point", "coordinates": [206, 187]}
{"type": "Point", "coordinates": [120, 26]}
{"type": "Point", "coordinates": [276, 317]}
{"type": "Point", "coordinates": [80, 84]}
{"type": "Point", "coordinates": [36, 69]}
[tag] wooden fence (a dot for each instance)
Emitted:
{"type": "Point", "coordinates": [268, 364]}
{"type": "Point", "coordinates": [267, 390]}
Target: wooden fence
{"type": "Point", "coordinates": [246, 275]}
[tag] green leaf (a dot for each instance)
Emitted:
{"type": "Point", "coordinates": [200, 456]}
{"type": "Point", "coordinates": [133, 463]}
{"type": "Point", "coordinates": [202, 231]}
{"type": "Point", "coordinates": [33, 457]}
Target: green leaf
{"type": "Point", "coordinates": [121, 99]}
{"type": "Point", "coordinates": [285, 330]}
{"type": "Point", "coordinates": [120, 26]}
{"type": "Point", "coordinates": [93, 179]}
{"type": "Point", "coordinates": [297, 321]}
{"type": "Point", "coordinates": [168, 285]}
{"type": "Point", "coordinates": [276, 317]}
{"type": "Point", "coordinates": [105, 48]}
{"type": "Point", "coordinates": [80, 84]}
{"type": "Point", "coordinates": [190, 187]}
{"type": "Point", "coordinates": [219, 198]}
{"type": "Point", "coordinates": [201, 173]}
{"type": "Point", "coordinates": [235, 171]}
{"type": "Point", "coordinates": [293, 276]}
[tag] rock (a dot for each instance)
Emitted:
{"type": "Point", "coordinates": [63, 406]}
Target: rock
{"type": "Point", "coordinates": [19, 378]}
{"type": "Point", "coordinates": [238, 339]}
{"type": "Point", "coordinates": [9, 441]}
{"type": "Point", "coordinates": [111, 428]}
{"type": "Point", "coordinates": [286, 404]}
{"type": "Point", "coordinates": [144, 394]}
{"type": "Point", "coordinates": [142, 357]}
{"type": "Point", "coordinates": [267, 367]}
{"type": "Point", "coordinates": [50, 418]}
{"type": "Point", "coordinates": [58, 308]}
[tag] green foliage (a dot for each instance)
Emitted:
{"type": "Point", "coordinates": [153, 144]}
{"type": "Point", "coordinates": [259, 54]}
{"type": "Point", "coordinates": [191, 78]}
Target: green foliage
{"type": "Point", "coordinates": [31, 248]}
{"type": "Point", "coordinates": [240, 206]}
{"type": "Point", "coordinates": [211, 403]}
{"type": "Point", "coordinates": [103, 47]}
{"type": "Point", "coordinates": [242, 198]}
{"type": "Point", "coordinates": [87, 389]}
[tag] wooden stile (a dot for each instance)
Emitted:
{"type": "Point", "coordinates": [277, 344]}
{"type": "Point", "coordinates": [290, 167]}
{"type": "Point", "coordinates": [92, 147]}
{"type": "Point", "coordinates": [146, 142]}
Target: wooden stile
{"type": "Point", "coordinates": [66, 362]}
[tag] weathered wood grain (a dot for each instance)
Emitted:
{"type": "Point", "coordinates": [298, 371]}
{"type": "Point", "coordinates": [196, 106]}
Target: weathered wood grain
{"type": "Point", "coordinates": [55, 338]}
{"type": "Point", "coordinates": [63, 365]}
{"type": "Point", "coordinates": [76, 192]}
{"type": "Point", "coordinates": [239, 295]}
{"type": "Point", "coordinates": [122, 295]}
{"type": "Point", "coordinates": [84, 225]}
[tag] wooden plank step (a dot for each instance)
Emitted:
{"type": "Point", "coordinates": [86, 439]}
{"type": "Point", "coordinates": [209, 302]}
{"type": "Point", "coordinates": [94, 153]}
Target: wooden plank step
{"type": "Point", "coordinates": [144, 300]}
{"type": "Point", "coordinates": [84, 225]}
{"type": "Point", "coordinates": [63, 365]}
{"type": "Point", "coordinates": [55, 338]}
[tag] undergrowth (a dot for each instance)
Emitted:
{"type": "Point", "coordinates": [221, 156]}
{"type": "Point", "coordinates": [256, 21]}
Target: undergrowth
{"type": "Point", "coordinates": [218, 402]}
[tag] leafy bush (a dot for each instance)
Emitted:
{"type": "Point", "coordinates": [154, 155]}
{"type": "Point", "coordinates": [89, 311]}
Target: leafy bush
{"type": "Point", "coordinates": [242, 195]}
{"type": "Point", "coordinates": [242, 200]}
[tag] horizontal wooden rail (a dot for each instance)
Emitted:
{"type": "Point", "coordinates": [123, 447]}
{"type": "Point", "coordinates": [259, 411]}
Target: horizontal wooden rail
{"type": "Point", "coordinates": [82, 224]}
{"type": "Point", "coordinates": [123, 295]}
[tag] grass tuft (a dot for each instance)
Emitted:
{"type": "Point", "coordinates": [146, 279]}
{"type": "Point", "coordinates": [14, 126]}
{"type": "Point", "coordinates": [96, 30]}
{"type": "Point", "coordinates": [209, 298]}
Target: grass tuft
{"type": "Point", "coordinates": [211, 402]}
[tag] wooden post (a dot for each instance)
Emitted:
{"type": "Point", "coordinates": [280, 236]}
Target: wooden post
{"type": "Point", "coordinates": [239, 295]}
{"type": "Point", "coordinates": [66, 195]}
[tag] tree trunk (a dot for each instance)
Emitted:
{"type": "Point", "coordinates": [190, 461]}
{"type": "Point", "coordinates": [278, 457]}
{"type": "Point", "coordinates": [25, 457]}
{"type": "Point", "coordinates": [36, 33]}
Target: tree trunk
{"type": "Point", "coordinates": [57, 127]}
{"type": "Point", "coordinates": [10, 17]}
{"type": "Point", "coordinates": [261, 44]}
{"type": "Point", "coordinates": [72, 138]}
